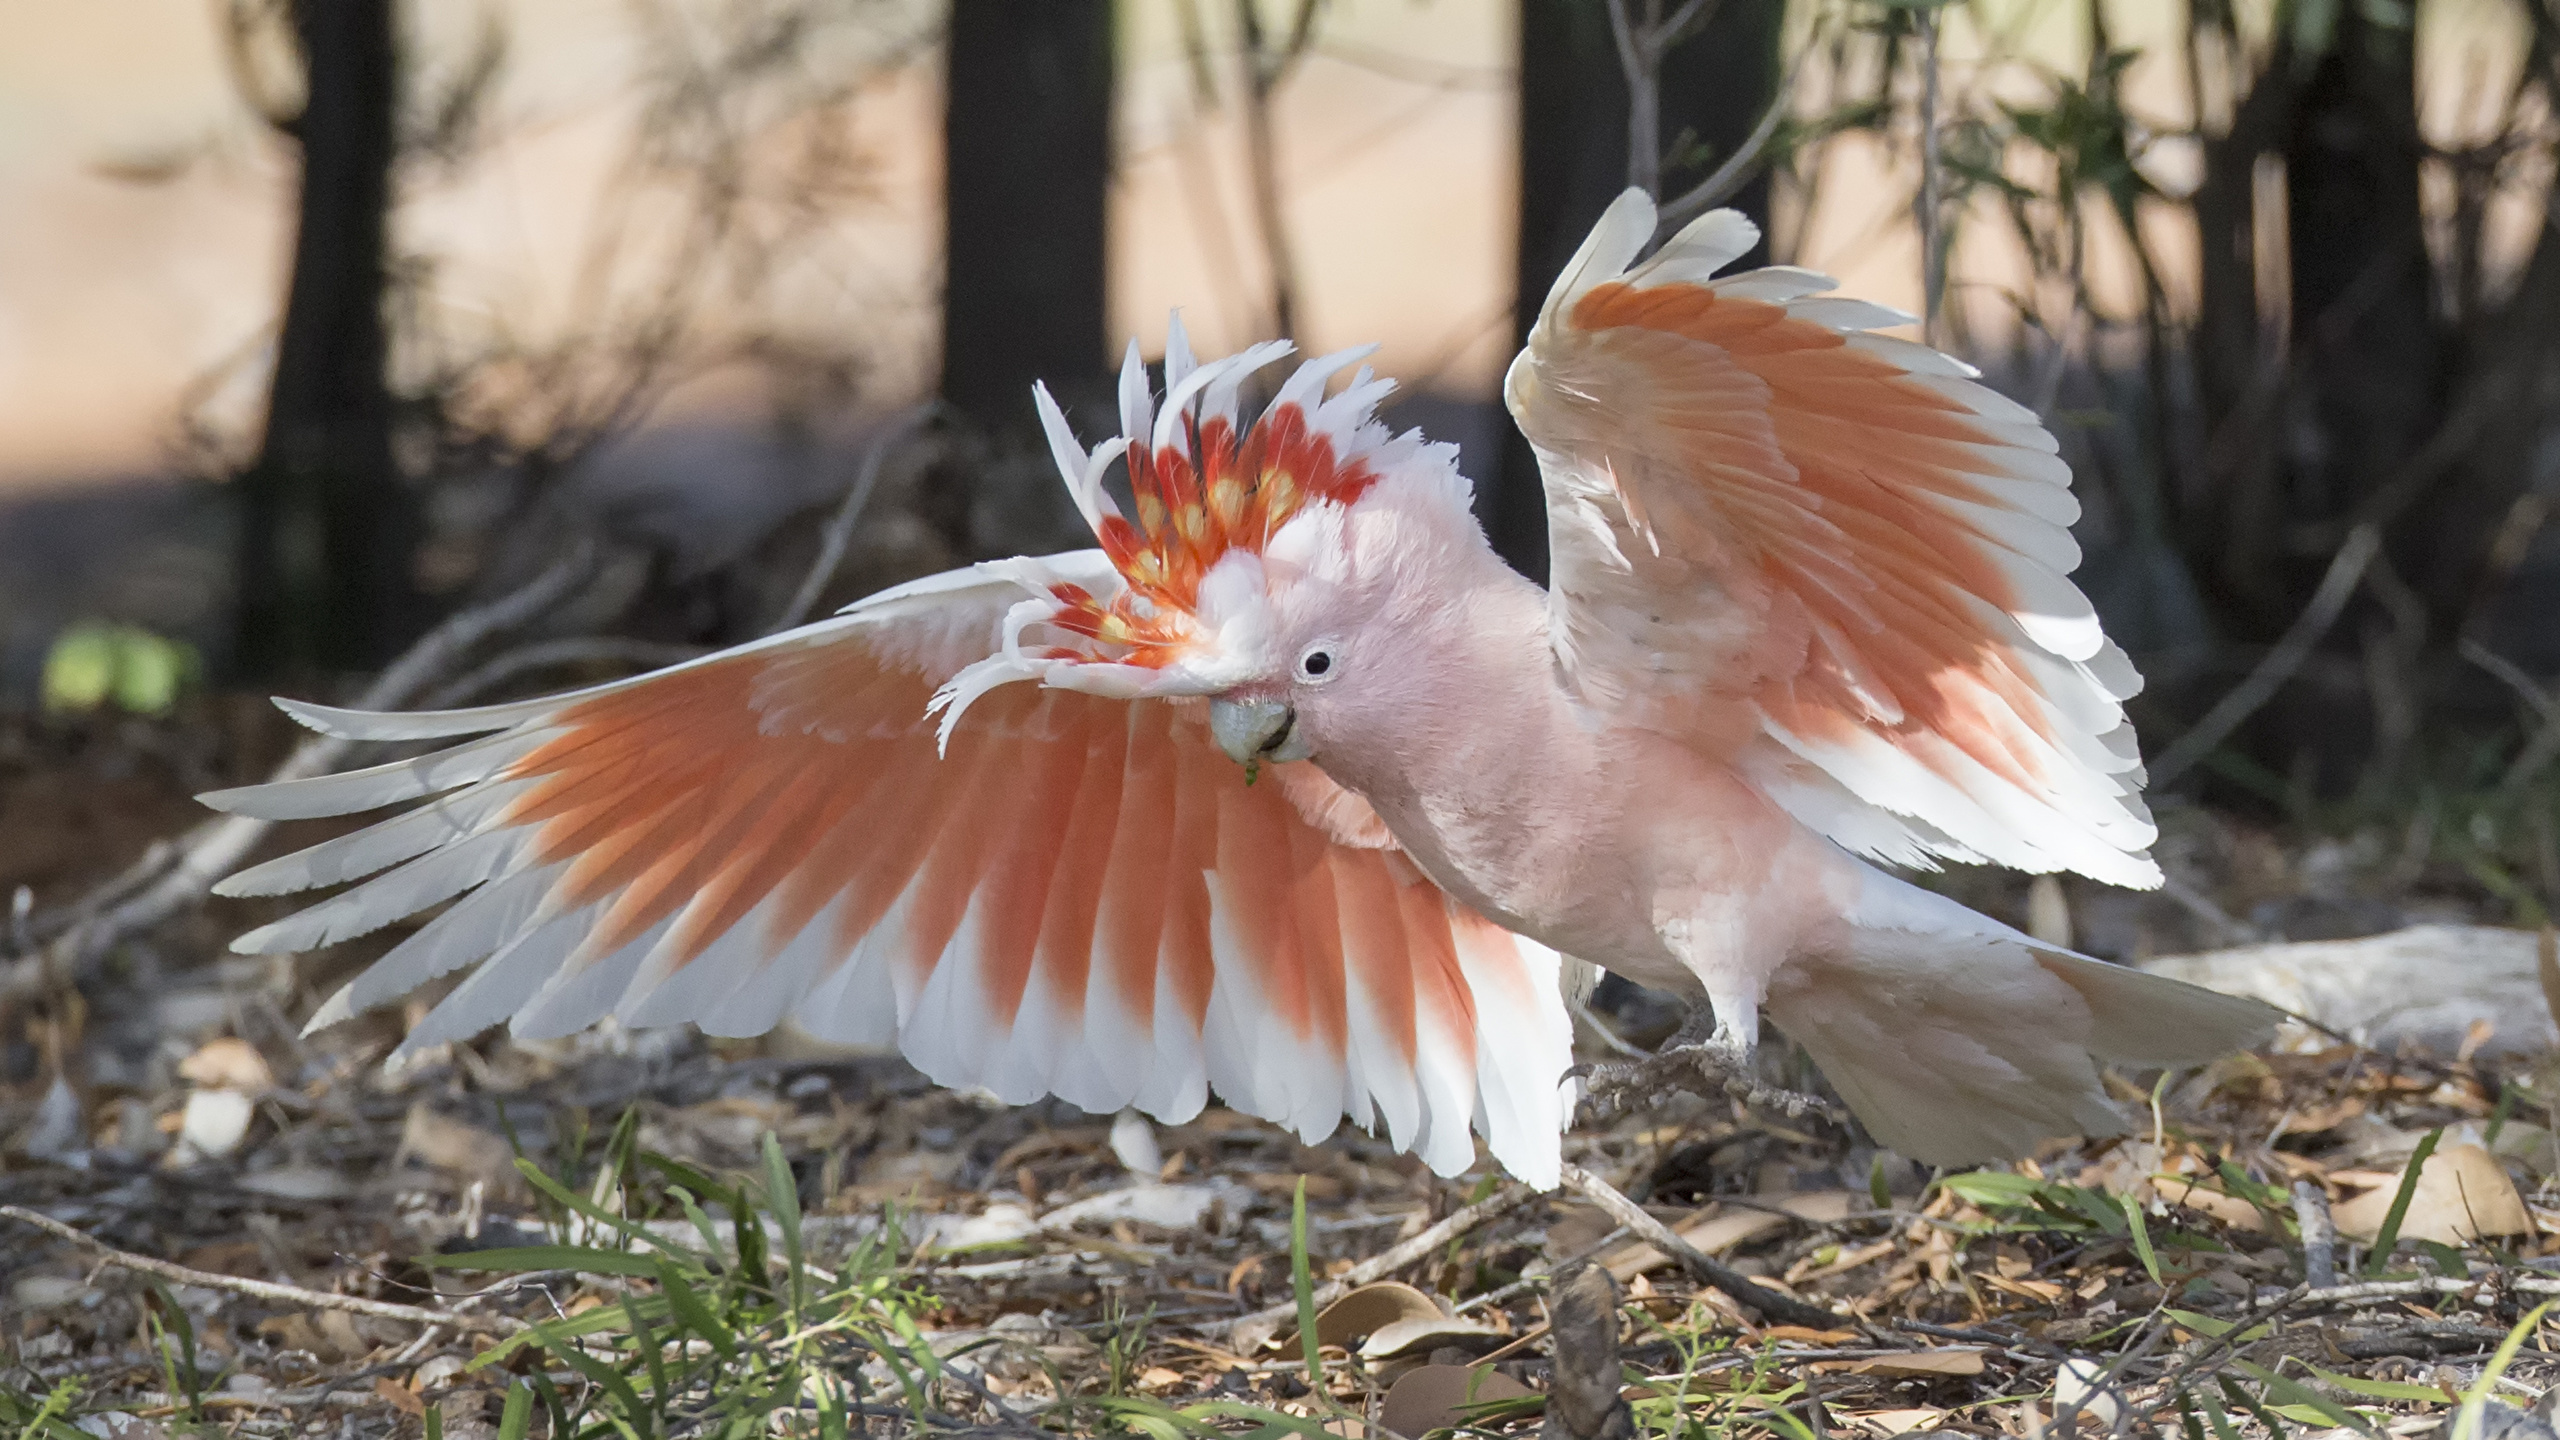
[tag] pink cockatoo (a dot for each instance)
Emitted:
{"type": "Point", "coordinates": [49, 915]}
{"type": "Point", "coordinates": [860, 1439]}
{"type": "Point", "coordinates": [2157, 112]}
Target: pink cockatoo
{"type": "Point", "coordinates": [1295, 792]}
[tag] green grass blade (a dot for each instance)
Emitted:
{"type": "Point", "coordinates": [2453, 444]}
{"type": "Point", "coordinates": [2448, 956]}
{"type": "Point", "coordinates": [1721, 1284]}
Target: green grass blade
{"type": "Point", "coordinates": [2137, 1222]}
{"type": "Point", "coordinates": [2376, 1389]}
{"type": "Point", "coordinates": [2220, 1418]}
{"type": "Point", "coordinates": [604, 1377]}
{"type": "Point", "coordinates": [782, 1196]}
{"type": "Point", "coordinates": [2296, 1394]}
{"type": "Point", "coordinates": [2388, 1238]}
{"type": "Point", "coordinates": [2466, 1424]}
{"type": "Point", "coordinates": [517, 1417]}
{"type": "Point", "coordinates": [1303, 1281]}
{"type": "Point", "coordinates": [579, 1204]}
{"type": "Point", "coordinates": [2251, 1405]}
{"type": "Point", "coordinates": [686, 1305]}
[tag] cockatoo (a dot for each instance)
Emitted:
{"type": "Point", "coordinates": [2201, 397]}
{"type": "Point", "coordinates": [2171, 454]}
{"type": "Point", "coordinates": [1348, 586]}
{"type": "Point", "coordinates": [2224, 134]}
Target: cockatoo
{"type": "Point", "coordinates": [1293, 791]}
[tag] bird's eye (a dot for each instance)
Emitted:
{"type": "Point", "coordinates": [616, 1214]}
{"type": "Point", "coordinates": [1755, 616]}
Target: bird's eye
{"type": "Point", "coordinates": [1317, 663]}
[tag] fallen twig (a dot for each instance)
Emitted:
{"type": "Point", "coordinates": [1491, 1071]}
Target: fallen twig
{"type": "Point", "coordinates": [1421, 1247]}
{"type": "Point", "coordinates": [213, 849]}
{"type": "Point", "coordinates": [1700, 1265]}
{"type": "Point", "coordinates": [260, 1289]}
{"type": "Point", "coordinates": [2319, 1235]}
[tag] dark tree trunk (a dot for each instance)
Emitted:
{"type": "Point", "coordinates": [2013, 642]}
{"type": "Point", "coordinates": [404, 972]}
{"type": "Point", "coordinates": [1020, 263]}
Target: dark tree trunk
{"type": "Point", "coordinates": [2370, 355]}
{"type": "Point", "coordinates": [1573, 161]}
{"type": "Point", "coordinates": [329, 530]}
{"type": "Point", "coordinates": [1027, 134]}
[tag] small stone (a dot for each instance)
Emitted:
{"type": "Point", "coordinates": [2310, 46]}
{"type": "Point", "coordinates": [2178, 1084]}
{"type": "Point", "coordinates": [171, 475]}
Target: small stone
{"type": "Point", "coordinates": [216, 1121]}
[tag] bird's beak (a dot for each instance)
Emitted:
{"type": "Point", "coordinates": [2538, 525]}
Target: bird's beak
{"type": "Point", "coordinates": [1250, 730]}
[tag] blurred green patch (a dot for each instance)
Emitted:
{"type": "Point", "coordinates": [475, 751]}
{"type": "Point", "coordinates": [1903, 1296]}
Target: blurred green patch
{"type": "Point", "coordinates": [96, 664]}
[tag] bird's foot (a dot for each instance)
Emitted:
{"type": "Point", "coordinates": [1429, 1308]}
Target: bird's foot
{"type": "Point", "coordinates": [1703, 1065]}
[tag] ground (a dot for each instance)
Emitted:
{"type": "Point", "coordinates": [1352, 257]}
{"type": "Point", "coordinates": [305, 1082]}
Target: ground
{"type": "Point", "coordinates": [921, 1259]}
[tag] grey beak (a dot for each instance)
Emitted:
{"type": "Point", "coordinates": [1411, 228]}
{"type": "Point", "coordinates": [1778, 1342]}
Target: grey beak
{"type": "Point", "coordinates": [1250, 730]}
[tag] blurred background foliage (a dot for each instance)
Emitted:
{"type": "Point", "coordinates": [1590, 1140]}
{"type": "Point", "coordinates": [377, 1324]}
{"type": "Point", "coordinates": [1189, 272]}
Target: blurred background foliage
{"type": "Point", "coordinates": [2275, 271]}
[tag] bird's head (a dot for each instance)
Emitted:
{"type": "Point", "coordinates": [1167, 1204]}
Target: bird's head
{"type": "Point", "coordinates": [1269, 567]}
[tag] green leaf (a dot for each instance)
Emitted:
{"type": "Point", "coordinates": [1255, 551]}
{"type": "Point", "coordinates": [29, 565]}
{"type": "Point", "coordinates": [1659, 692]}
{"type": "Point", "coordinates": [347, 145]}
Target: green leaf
{"type": "Point", "coordinates": [685, 1303]}
{"type": "Point", "coordinates": [521, 1259]}
{"type": "Point", "coordinates": [2388, 1237]}
{"type": "Point", "coordinates": [2223, 1429]}
{"type": "Point", "coordinates": [597, 1321]}
{"type": "Point", "coordinates": [1993, 1188]}
{"type": "Point", "coordinates": [579, 1204]}
{"type": "Point", "coordinates": [2294, 1394]}
{"type": "Point", "coordinates": [782, 1193]}
{"type": "Point", "coordinates": [517, 1417]}
{"type": "Point", "coordinates": [1303, 1282]}
{"type": "Point", "coordinates": [2133, 1218]}
{"type": "Point", "coordinates": [598, 1373]}
{"type": "Point", "coordinates": [2376, 1389]}
{"type": "Point", "coordinates": [2467, 1421]}
{"type": "Point", "coordinates": [2447, 1260]}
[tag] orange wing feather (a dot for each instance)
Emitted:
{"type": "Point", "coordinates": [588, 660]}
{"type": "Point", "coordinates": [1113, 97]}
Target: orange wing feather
{"type": "Point", "coordinates": [771, 831]}
{"type": "Point", "coordinates": [1825, 557]}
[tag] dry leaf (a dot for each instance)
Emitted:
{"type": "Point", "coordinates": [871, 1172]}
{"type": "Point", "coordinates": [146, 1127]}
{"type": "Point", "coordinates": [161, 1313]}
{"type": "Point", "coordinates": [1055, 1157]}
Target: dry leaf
{"type": "Point", "coordinates": [1803, 1335]}
{"type": "Point", "coordinates": [229, 1063]}
{"type": "Point", "coordinates": [2463, 1194]}
{"type": "Point", "coordinates": [1898, 1422]}
{"type": "Point", "coordinates": [1717, 1229]}
{"type": "Point", "coordinates": [1404, 1337]}
{"type": "Point", "coordinates": [1946, 1360]}
{"type": "Point", "coordinates": [1428, 1398]}
{"type": "Point", "coordinates": [401, 1397]}
{"type": "Point", "coordinates": [463, 1150]}
{"type": "Point", "coordinates": [1365, 1312]}
{"type": "Point", "coordinates": [2231, 1210]}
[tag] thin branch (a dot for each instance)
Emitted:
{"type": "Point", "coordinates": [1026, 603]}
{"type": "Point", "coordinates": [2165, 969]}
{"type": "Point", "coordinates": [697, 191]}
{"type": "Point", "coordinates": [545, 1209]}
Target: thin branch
{"type": "Point", "coordinates": [2346, 571]}
{"type": "Point", "coordinates": [216, 847]}
{"type": "Point", "coordinates": [261, 1289]}
{"type": "Point", "coordinates": [839, 531]}
{"type": "Point", "coordinates": [2544, 747]}
{"type": "Point", "coordinates": [1641, 64]}
{"type": "Point", "coordinates": [1739, 167]}
{"type": "Point", "coordinates": [1932, 255]}
{"type": "Point", "coordinates": [1705, 1268]}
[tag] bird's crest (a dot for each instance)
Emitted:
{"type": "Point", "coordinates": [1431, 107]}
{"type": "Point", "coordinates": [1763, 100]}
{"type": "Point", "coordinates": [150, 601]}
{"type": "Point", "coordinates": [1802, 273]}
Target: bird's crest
{"type": "Point", "coordinates": [1188, 616]}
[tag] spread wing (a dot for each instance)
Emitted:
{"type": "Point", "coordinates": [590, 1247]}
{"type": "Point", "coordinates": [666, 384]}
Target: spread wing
{"type": "Point", "coordinates": [1827, 557]}
{"type": "Point", "coordinates": [1081, 897]}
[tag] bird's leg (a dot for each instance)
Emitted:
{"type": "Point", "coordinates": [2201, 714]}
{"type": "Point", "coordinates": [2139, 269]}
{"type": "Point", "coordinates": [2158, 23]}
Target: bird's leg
{"type": "Point", "coordinates": [1710, 1054]}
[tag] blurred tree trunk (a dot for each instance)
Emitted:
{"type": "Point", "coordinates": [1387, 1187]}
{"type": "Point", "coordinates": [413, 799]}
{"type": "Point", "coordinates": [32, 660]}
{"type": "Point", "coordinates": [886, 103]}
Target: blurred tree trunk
{"type": "Point", "coordinates": [1716, 84]}
{"type": "Point", "coordinates": [329, 531]}
{"type": "Point", "coordinates": [1027, 134]}
{"type": "Point", "coordinates": [2370, 354]}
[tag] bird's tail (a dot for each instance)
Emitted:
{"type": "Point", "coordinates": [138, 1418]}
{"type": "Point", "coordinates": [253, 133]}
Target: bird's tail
{"type": "Point", "coordinates": [1957, 1039]}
